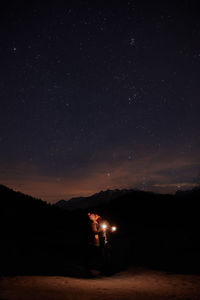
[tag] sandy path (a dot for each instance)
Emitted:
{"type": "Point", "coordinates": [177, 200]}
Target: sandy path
{"type": "Point", "coordinates": [140, 284]}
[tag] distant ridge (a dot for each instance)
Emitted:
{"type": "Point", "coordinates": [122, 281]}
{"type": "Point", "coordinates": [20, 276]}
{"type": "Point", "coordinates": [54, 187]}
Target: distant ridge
{"type": "Point", "coordinates": [101, 198]}
{"type": "Point", "coordinates": [109, 197]}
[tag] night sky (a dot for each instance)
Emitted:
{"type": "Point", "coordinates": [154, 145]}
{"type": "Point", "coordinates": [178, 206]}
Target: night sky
{"type": "Point", "coordinates": [99, 95]}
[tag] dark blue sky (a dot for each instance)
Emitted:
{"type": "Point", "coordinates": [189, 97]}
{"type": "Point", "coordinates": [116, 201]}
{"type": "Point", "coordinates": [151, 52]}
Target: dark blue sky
{"type": "Point", "coordinates": [99, 94]}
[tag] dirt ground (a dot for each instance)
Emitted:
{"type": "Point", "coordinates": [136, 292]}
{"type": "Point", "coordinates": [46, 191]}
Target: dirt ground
{"type": "Point", "coordinates": [128, 285]}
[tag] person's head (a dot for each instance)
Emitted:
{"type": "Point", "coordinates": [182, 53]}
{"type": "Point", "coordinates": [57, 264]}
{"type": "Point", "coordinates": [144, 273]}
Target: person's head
{"type": "Point", "coordinates": [91, 216]}
{"type": "Point", "coordinates": [94, 217]}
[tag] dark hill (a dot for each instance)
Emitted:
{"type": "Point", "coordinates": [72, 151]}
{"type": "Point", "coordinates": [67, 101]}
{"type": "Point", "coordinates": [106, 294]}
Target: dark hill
{"type": "Point", "coordinates": [157, 230]}
{"type": "Point", "coordinates": [37, 237]}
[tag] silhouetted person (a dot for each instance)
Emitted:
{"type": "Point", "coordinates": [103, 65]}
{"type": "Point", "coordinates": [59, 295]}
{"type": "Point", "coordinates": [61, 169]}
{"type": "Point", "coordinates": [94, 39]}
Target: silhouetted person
{"type": "Point", "coordinates": [101, 243]}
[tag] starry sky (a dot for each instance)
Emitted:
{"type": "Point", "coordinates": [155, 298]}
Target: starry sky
{"type": "Point", "coordinates": [99, 95]}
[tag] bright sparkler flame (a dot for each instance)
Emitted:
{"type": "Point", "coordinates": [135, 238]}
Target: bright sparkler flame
{"type": "Point", "coordinates": [104, 226]}
{"type": "Point", "coordinates": [114, 228]}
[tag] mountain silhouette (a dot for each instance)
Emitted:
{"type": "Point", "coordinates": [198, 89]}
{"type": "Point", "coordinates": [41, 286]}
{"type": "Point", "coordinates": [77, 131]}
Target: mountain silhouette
{"type": "Point", "coordinates": [152, 229]}
{"type": "Point", "coordinates": [101, 198]}
{"type": "Point", "coordinates": [37, 237]}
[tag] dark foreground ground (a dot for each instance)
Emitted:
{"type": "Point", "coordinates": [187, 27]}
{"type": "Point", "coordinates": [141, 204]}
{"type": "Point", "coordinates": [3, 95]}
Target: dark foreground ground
{"type": "Point", "coordinates": [138, 284]}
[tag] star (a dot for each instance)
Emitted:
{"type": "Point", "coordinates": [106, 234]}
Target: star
{"type": "Point", "coordinates": [132, 42]}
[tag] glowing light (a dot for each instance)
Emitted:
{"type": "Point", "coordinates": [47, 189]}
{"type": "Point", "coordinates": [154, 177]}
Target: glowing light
{"type": "Point", "coordinates": [114, 228]}
{"type": "Point", "coordinates": [104, 226]}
